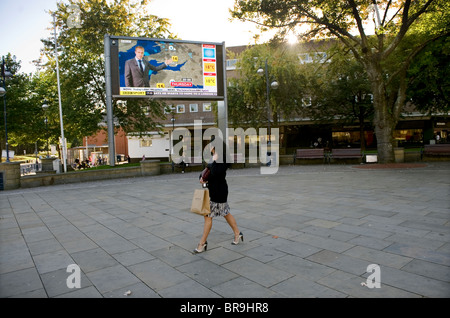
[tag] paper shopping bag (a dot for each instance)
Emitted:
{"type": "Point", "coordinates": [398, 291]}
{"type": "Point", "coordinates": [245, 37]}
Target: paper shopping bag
{"type": "Point", "coordinates": [200, 202]}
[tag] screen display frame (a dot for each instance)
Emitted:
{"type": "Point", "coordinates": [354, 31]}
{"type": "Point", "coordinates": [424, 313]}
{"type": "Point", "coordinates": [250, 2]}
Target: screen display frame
{"type": "Point", "coordinates": [204, 81]}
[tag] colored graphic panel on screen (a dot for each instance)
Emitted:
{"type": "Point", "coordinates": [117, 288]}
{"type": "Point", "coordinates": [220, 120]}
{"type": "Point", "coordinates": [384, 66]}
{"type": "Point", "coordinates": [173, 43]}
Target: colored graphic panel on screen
{"type": "Point", "coordinates": [166, 68]}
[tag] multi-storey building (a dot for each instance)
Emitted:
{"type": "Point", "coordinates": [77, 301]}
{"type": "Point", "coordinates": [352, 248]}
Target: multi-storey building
{"type": "Point", "coordinates": [414, 128]}
{"type": "Point", "coordinates": [179, 114]}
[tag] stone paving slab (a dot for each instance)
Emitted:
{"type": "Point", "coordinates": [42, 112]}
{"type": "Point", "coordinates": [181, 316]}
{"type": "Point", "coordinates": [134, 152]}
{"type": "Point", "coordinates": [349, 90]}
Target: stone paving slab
{"type": "Point", "coordinates": [309, 231]}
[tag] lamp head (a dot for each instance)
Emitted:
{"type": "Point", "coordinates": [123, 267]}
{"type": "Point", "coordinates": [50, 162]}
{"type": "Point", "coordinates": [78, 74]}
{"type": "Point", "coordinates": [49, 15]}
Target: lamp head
{"type": "Point", "coordinates": [45, 105]}
{"type": "Point", "coordinates": [274, 85]}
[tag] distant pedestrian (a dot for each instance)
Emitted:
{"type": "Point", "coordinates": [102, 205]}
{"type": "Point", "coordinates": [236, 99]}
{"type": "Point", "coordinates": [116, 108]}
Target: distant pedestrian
{"type": "Point", "coordinates": [218, 193]}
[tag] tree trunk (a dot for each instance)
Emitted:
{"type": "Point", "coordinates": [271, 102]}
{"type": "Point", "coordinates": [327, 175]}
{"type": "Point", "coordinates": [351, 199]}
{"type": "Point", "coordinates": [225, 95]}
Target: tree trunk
{"type": "Point", "coordinates": [384, 123]}
{"type": "Point", "coordinates": [384, 134]}
{"type": "Point", "coordinates": [362, 135]}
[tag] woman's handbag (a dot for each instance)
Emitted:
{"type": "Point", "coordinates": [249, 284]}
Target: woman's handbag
{"type": "Point", "coordinates": [200, 202]}
{"type": "Point", "coordinates": [205, 174]}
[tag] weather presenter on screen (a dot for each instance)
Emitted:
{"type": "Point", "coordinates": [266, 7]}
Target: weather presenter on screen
{"type": "Point", "coordinates": [137, 69]}
{"type": "Point", "coordinates": [163, 68]}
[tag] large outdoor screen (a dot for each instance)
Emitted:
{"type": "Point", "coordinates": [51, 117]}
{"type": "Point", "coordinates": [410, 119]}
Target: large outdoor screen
{"type": "Point", "coordinates": [162, 68]}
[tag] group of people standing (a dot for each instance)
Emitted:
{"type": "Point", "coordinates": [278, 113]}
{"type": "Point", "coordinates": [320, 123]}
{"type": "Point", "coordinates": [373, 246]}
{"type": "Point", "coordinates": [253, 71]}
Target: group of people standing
{"type": "Point", "coordinates": [88, 163]}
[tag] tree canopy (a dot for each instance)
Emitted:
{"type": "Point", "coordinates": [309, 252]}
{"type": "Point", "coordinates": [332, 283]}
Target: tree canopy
{"type": "Point", "coordinates": [82, 66]}
{"type": "Point", "coordinates": [247, 96]}
{"type": "Point", "coordinates": [81, 26]}
{"type": "Point", "coordinates": [375, 31]}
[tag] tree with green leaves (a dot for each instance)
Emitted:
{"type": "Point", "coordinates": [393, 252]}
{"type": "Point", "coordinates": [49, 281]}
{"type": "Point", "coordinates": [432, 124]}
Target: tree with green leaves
{"type": "Point", "coordinates": [429, 86]}
{"type": "Point", "coordinates": [26, 94]}
{"type": "Point", "coordinates": [339, 91]}
{"type": "Point", "coordinates": [247, 97]}
{"type": "Point", "coordinates": [374, 31]}
{"type": "Point", "coordinates": [24, 115]}
{"type": "Point", "coordinates": [82, 66]}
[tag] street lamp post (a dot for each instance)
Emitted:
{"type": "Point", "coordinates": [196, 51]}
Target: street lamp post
{"type": "Point", "coordinates": [4, 75]}
{"type": "Point", "coordinates": [45, 107]}
{"type": "Point", "coordinates": [63, 139]}
{"type": "Point", "coordinates": [171, 142]}
{"type": "Point", "coordinates": [273, 85]}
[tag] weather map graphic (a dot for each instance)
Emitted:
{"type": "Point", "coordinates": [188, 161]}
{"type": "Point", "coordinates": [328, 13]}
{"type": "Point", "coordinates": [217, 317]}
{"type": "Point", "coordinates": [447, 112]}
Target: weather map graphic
{"type": "Point", "coordinates": [191, 70]}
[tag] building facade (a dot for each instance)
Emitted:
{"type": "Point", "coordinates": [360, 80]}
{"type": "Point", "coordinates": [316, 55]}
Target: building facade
{"type": "Point", "coordinates": [179, 114]}
{"type": "Point", "coordinates": [414, 129]}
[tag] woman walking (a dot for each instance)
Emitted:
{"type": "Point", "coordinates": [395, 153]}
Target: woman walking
{"type": "Point", "coordinates": [218, 194]}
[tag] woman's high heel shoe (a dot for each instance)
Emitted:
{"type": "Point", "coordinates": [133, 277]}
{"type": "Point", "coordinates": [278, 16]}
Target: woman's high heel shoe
{"type": "Point", "coordinates": [240, 237]}
{"type": "Point", "coordinates": [201, 248]}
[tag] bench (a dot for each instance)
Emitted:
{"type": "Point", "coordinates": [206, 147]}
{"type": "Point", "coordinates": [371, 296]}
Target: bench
{"type": "Point", "coordinates": [194, 162]}
{"type": "Point", "coordinates": [437, 150]}
{"type": "Point", "coordinates": [346, 153]}
{"type": "Point", "coordinates": [311, 154]}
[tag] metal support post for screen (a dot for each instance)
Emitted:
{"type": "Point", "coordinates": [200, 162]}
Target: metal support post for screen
{"type": "Point", "coordinates": [109, 108]}
{"type": "Point", "coordinates": [222, 108]}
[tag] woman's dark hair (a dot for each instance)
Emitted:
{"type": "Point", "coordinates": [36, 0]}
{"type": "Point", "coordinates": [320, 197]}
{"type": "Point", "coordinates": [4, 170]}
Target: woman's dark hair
{"type": "Point", "coordinates": [223, 152]}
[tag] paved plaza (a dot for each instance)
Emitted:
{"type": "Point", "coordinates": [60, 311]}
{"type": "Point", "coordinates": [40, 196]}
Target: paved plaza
{"type": "Point", "coordinates": [309, 231]}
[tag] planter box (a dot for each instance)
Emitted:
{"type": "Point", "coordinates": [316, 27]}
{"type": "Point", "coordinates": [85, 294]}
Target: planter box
{"type": "Point", "coordinates": [150, 168]}
{"type": "Point", "coordinates": [399, 155]}
{"type": "Point", "coordinates": [10, 174]}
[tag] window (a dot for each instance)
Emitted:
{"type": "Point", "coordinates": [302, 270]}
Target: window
{"type": "Point", "coordinates": [306, 101]}
{"type": "Point", "coordinates": [305, 58]}
{"type": "Point", "coordinates": [180, 109]}
{"type": "Point", "coordinates": [169, 109]}
{"type": "Point", "coordinates": [231, 64]}
{"type": "Point", "coordinates": [408, 135]}
{"type": "Point", "coordinates": [193, 108]}
{"type": "Point", "coordinates": [145, 143]}
{"type": "Point", "coordinates": [320, 57]}
{"type": "Point", "coordinates": [206, 107]}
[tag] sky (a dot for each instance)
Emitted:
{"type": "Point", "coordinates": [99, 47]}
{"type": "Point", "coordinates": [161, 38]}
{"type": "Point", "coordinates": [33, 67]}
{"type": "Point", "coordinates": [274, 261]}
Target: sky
{"type": "Point", "coordinates": [24, 23]}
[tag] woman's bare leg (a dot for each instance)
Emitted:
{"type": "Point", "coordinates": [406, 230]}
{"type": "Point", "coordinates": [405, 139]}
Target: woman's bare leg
{"type": "Point", "coordinates": [232, 223]}
{"type": "Point", "coordinates": [206, 229]}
